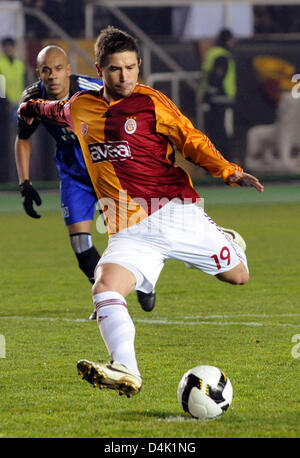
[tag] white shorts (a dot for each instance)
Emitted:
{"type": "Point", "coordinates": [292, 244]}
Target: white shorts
{"type": "Point", "coordinates": [176, 231]}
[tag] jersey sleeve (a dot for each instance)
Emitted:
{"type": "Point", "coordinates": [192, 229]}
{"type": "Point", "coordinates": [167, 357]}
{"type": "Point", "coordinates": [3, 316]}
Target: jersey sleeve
{"type": "Point", "coordinates": [58, 112]}
{"type": "Point", "coordinates": [193, 144]}
{"type": "Point", "coordinates": [25, 130]}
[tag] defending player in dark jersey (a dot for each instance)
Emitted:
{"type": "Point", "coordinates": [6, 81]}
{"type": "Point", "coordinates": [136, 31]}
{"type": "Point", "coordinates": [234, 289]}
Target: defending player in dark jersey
{"type": "Point", "coordinates": [77, 195]}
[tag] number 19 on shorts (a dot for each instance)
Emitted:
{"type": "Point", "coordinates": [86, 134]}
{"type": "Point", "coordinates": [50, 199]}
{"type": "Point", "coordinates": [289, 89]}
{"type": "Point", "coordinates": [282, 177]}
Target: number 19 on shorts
{"type": "Point", "coordinates": [223, 256]}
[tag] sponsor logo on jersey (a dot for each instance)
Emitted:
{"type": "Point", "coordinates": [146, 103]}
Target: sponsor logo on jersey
{"type": "Point", "coordinates": [130, 126]}
{"type": "Point", "coordinates": [110, 151]}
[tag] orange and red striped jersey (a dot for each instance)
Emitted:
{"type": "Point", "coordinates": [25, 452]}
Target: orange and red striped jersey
{"type": "Point", "coordinates": [129, 150]}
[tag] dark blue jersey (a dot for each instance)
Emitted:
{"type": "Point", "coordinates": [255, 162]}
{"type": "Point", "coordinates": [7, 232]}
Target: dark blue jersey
{"type": "Point", "coordinates": [68, 155]}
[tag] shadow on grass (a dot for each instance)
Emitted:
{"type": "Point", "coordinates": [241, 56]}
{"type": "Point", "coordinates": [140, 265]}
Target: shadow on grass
{"type": "Point", "coordinates": [153, 414]}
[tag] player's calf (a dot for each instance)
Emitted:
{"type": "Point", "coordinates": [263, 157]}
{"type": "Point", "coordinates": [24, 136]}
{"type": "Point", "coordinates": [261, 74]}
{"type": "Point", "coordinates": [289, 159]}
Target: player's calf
{"type": "Point", "coordinates": [86, 254]}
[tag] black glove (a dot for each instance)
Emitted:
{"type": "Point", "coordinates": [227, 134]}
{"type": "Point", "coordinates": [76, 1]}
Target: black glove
{"type": "Point", "coordinates": [29, 195]}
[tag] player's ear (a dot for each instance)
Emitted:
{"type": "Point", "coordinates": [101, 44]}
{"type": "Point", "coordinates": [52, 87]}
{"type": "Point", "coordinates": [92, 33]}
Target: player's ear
{"type": "Point", "coordinates": [69, 69]}
{"type": "Point", "coordinates": [99, 69]}
{"type": "Point", "coordinates": [139, 64]}
{"type": "Point", "coordinates": [38, 74]}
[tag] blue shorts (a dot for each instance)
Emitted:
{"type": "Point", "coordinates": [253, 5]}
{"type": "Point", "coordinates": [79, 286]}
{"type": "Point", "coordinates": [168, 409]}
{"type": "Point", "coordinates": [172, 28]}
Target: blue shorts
{"type": "Point", "coordinates": [78, 201]}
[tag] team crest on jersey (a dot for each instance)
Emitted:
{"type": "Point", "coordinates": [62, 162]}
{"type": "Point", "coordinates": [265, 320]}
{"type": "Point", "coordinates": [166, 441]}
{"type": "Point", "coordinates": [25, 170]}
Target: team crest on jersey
{"type": "Point", "coordinates": [84, 128]}
{"type": "Point", "coordinates": [130, 126]}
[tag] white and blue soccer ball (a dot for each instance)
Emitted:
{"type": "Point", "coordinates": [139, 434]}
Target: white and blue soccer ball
{"type": "Point", "coordinates": [205, 392]}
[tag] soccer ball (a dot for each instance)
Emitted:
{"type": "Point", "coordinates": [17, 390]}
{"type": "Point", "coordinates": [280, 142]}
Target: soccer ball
{"type": "Point", "coordinates": [205, 392]}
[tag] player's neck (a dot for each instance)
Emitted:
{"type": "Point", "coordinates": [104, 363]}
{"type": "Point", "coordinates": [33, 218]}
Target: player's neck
{"type": "Point", "coordinates": [109, 98]}
{"type": "Point", "coordinates": [64, 98]}
{"type": "Point", "coordinates": [59, 98]}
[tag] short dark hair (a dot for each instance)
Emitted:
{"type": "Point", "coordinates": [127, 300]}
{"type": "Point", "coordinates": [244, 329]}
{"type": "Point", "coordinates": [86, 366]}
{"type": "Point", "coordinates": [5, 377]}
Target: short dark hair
{"type": "Point", "coordinates": [223, 37]}
{"type": "Point", "coordinates": [112, 40]}
{"type": "Point", "coordinates": [8, 41]}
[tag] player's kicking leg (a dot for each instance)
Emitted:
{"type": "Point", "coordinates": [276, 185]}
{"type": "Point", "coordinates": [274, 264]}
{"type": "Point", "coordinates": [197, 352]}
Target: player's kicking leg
{"type": "Point", "coordinates": [236, 237]}
{"type": "Point", "coordinates": [239, 275]}
{"type": "Point", "coordinates": [148, 300]}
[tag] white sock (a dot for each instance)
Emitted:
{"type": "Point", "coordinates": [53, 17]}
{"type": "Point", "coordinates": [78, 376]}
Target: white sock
{"type": "Point", "coordinates": [116, 328]}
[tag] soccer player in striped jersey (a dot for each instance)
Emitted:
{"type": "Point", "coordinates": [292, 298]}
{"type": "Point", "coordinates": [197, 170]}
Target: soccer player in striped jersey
{"type": "Point", "coordinates": [128, 133]}
{"type": "Point", "coordinates": [78, 197]}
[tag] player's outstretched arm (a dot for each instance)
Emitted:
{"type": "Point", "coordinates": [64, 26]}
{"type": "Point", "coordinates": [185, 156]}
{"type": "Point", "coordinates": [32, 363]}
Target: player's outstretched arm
{"type": "Point", "coordinates": [54, 111]}
{"type": "Point", "coordinates": [245, 179]}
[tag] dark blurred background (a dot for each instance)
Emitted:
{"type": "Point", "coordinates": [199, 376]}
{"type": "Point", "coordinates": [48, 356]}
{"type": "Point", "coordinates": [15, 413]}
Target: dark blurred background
{"type": "Point", "coordinates": [174, 39]}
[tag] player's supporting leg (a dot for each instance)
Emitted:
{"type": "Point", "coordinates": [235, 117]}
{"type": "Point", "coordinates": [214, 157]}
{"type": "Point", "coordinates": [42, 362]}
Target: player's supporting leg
{"type": "Point", "coordinates": [112, 284]}
{"type": "Point", "coordinates": [85, 252]}
{"type": "Point", "coordinates": [88, 257]}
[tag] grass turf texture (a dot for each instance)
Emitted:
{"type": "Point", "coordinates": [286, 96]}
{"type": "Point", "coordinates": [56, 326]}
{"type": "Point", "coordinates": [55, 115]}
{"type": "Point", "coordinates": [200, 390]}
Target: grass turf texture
{"type": "Point", "coordinates": [245, 330]}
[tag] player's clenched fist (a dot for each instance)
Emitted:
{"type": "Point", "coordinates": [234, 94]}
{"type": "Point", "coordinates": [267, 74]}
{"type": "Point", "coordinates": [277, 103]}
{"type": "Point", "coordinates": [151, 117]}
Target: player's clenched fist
{"type": "Point", "coordinates": [26, 112]}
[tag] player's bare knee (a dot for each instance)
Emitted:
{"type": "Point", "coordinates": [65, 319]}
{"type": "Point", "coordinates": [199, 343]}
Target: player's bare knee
{"type": "Point", "coordinates": [100, 286]}
{"type": "Point", "coordinates": [241, 278]}
{"type": "Point", "coordinates": [237, 276]}
{"type": "Point", "coordinates": [112, 277]}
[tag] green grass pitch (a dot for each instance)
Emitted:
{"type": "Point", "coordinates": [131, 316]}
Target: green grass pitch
{"type": "Point", "coordinates": [250, 332]}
